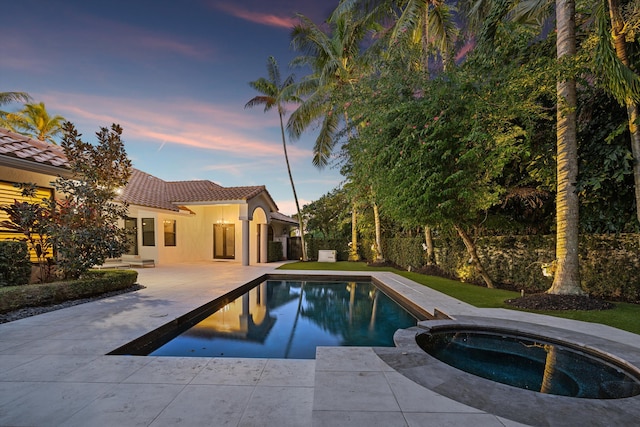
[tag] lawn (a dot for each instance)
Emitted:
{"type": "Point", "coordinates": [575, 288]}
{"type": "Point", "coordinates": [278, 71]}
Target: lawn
{"type": "Point", "coordinates": [624, 316]}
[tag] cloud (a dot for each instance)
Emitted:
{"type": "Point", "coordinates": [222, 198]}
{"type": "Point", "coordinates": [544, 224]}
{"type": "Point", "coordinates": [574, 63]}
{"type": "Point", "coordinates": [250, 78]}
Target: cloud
{"type": "Point", "coordinates": [181, 122]}
{"type": "Point", "coordinates": [288, 207]}
{"type": "Point", "coordinates": [267, 19]}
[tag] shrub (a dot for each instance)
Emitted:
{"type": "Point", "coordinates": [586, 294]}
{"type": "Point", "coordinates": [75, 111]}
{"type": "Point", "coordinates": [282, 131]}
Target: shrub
{"type": "Point", "coordinates": [92, 283]}
{"type": "Point", "coordinates": [15, 266]}
{"type": "Point", "coordinates": [274, 252]}
{"type": "Point", "coordinates": [609, 264]}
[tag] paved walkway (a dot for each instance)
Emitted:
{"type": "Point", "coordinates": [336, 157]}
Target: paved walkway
{"type": "Point", "coordinates": [54, 372]}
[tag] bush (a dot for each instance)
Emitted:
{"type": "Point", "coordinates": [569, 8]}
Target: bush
{"type": "Point", "coordinates": [15, 266]}
{"type": "Point", "coordinates": [274, 252]}
{"type": "Point", "coordinates": [92, 283]}
{"type": "Point", "coordinates": [609, 264]}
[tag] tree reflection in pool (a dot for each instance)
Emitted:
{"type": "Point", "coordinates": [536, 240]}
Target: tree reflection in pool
{"type": "Point", "coordinates": [288, 319]}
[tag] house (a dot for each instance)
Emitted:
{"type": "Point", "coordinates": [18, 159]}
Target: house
{"type": "Point", "coordinates": [168, 221]}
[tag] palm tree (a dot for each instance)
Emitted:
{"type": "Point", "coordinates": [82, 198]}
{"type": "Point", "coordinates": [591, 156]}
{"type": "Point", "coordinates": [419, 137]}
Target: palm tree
{"type": "Point", "coordinates": [567, 277]}
{"type": "Point", "coordinates": [275, 93]}
{"type": "Point", "coordinates": [428, 23]}
{"type": "Point", "coordinates": [621, 81]}
{"type": "Point", "coordinates": [34, 121]}
{"type": "Point", "coordinates": [7, 97]}
{"type": "Point", "coordinates": [335, 62]}
{"type": "Point", "coordinates": [567, 274]}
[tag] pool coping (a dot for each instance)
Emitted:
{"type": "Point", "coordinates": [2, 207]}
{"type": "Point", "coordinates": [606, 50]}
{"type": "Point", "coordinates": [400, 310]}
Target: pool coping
{"type": "Point", "coordinates": [524, 406]}
{"type": "Point", "coordinates": [54, 370]}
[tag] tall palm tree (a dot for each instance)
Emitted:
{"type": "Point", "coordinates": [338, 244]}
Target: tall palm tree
{"type": "Point", "coordinates": [567, 277]}
{"type": "Point", "coordinates": [336, 63]}
{"type": "Point", "coordinates": [276, 93]}
{"type": "Point", "coordinates": [429, 23]}
{"type": "Point", "coordinates": [34, 121]}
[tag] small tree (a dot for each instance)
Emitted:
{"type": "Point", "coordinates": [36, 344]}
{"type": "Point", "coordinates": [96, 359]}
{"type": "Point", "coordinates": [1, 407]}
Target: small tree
{"type": "Point", "coordinates": [85, 222]}
{"type": "Point", "coordinates": [32, 219]}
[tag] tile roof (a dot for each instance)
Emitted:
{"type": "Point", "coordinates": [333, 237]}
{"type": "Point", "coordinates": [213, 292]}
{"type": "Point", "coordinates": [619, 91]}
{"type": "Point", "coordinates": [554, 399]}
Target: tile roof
{"type": "Point", "coordinates": [22, 147]}
{"type": "Point", "coordinates": [143, 189]}
{"type": "Point", "coordinates": [147, 190]}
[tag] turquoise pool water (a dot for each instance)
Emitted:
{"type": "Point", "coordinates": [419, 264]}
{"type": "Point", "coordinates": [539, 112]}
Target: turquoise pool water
{"type": "Point", "coordinates": [289, 319]}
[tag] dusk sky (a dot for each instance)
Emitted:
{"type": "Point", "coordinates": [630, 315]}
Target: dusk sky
{"type": "Point", "coordinates": [174, 74]}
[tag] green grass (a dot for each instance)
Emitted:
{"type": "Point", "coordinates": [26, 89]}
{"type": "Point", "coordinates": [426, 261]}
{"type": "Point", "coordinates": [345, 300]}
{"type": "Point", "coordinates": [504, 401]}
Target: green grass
{"type": "Point", "coordinates": [624, 316]}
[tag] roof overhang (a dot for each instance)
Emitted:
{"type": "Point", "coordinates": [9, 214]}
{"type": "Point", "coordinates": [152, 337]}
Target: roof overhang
{"type": "Point", "coordinates": [30, 166]}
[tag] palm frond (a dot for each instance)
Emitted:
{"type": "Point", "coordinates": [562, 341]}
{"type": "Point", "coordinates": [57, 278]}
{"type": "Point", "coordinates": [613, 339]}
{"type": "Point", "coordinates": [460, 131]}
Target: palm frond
{"type": "Point", "coordinates": [8, 97]}
{"type": "Point", "coordinates": [326, 140]}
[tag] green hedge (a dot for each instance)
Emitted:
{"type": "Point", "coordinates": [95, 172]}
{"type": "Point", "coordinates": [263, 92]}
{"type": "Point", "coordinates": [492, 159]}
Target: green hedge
{"type": "Point", "coordinates": [15, 266]}
{"type": "Point", "coordinates": [609, 264]}
{"type": "Point", "coordinates": [94, 282]}
{"type": "Point", "coordinates": [274, 252]}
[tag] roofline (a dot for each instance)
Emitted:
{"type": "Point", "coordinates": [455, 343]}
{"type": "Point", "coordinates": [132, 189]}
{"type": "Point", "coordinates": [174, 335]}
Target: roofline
{"type": "Point", "coordinates": [31, 166]}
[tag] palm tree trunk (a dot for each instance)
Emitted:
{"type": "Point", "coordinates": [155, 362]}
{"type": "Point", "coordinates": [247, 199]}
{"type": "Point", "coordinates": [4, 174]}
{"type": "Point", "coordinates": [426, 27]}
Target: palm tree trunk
{"type": "Point", "coordinates": [376, 219]}
{"type": "Point", "coordinates": [473, 253]}
{"type": "Point", "coordinates": [428, 241]}
{"type": "Point", "coordinates": [549, 369]}
{"type": "Point", "coordinates": [293, 187]}
{"type": "Point", "coordinates": [567, 276]}
{"type": "Point", "coordinates": [353, 253]}
{"type": "Point", "coordinates": [620, 44]}
{"type": "Point", "coordinates": [425, 38]}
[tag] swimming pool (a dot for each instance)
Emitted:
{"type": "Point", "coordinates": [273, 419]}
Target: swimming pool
{"type": "Point", "coordinates": [282, 318]}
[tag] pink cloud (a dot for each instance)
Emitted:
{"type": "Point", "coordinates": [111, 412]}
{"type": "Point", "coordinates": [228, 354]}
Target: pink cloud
{"type": "Point", "coordinates": [180, 122]}
{"type": "Point", "coordinates": [267, 19]}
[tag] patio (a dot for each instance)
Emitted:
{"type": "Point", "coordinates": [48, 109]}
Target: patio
{"type": "Point", "coordinates": [53, 368]}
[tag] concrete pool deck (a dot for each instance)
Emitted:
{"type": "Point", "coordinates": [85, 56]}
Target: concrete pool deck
{"type": "Point", "coordinates": [54, 370]}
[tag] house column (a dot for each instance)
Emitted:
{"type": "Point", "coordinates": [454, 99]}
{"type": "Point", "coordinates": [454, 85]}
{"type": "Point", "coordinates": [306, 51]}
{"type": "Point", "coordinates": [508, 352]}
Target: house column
{"type": "Point", "coordinates": [264, 237]}
{"type": "Point", "coordinates": [245, 242]}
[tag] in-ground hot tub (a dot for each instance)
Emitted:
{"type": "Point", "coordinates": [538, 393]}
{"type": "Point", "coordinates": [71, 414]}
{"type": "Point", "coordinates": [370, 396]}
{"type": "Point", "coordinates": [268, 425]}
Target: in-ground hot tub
{"type": "Point", "coordinates": [531, 362]}
{"type": "Point", "coordinates": [524, 404]}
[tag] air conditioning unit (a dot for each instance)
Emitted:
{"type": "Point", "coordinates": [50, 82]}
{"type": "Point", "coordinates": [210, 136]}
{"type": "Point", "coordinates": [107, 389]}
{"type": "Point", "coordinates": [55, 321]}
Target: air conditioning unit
{"type": "Point", "coordinates": [327, 256]}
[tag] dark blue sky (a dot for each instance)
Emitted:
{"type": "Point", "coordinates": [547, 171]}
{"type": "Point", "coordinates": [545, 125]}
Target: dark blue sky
{"type": "Point", "coordinates": [175, 75]}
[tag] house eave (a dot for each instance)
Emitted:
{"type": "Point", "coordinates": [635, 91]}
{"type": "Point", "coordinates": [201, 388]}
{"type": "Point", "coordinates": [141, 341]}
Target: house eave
{"type": "Point", "coordinates": [30, 166]}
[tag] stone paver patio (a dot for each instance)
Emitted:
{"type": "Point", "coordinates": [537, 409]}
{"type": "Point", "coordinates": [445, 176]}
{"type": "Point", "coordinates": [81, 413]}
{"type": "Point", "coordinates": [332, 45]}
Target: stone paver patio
{"type": "Point", "coordinates": [54, 370]}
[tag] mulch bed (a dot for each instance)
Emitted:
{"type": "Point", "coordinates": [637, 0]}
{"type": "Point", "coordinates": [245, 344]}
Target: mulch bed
{"type": "Point", "coordinates": [559, 302]}
{"type": "Point", "coordinates": [534, 301]}
{"type": "Point", "coordinates": [32, 311]}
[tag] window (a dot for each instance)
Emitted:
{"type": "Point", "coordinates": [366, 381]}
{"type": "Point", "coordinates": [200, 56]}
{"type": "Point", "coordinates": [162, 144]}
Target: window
{"type": "Point", "coordinates": [169, 232]}
{"type": "Point", "coordinates": [148, 232]}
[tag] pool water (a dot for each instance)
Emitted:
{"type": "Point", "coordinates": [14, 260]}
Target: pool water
{"type": "Point", "coordinates": [289, 319]}
{"type": "Point", "coordinates": [530, 364]}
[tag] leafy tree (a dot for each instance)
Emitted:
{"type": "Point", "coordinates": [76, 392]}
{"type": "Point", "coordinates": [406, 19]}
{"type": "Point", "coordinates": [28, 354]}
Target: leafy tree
{"type": "Point", "coordinates": [32, 218]}
{"type": "Point", "coordinates": [85, 227]}
{"type": "Point", "coordinates": [328, 217]}
{"type": "Point", "coordinates": [276, 93]}
{"type": "Point", "coordinates": [440, 147]}
{"type": "Point", "coordinates": [34, 121]}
